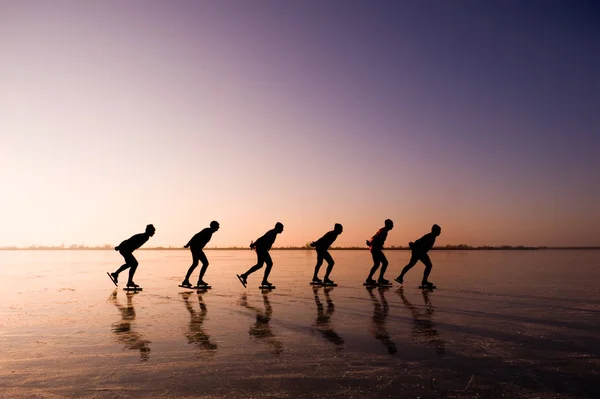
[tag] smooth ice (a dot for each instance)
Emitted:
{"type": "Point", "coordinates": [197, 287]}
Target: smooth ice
{"type": "Point", "coordinates": [500, 324]}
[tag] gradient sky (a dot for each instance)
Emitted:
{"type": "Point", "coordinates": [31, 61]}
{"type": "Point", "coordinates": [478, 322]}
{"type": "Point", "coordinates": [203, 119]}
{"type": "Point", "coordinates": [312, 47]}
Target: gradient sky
{"type": "Point", "coordinates": [483, 117]}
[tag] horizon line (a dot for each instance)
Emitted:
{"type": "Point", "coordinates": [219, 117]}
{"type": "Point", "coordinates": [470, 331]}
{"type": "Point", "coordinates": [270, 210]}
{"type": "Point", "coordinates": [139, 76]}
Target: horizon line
{"type": "Point", "coordinates": [107, 247]}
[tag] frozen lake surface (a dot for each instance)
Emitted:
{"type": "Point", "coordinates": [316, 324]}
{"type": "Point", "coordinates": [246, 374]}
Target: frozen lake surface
{"type": "Point", "coordinates": [501, 324]}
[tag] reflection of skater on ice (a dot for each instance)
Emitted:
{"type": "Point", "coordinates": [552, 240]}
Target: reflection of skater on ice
{"type": "Point", "coordinates": [380, 314]}
{"type": "Point", "coordinates": [123, 329]}
{"type": "Point", "coordinates": [423, 330]}
{"type": "Point", "coordinates": [196, 334]}
{"type": "Point", "coordinates": [323, 321]}
{"type": "Point", "coordinates": [261, 330]}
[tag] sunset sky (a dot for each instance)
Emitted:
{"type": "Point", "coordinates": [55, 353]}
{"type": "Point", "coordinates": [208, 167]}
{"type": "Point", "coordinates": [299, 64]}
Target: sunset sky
{"type": "Point", "coordinates": [483, 117]}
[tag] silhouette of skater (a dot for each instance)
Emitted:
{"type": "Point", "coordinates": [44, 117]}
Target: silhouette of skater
{"type": "Point", "coordinates": [126, 249]}
{"type": "Point", "coordinates": [262, 247]}
{"type": "Point", "coordinates": [195, 333]}
{"type": "Point", "coordinates": [123, 329]}
{"type": "Point", "coordinates": [196, 244]}
{"type": "Point", "coordinates": [261, 330]}
{"type": "Point", "coordinates": [321, 246]}
{"type": "Point", "coordinates": [419, 253]}
{"type": "Point", "coordinates": [376, 247]}
{"type": "Point", "coordinates": [422, 324]}
{"type": "Point", "coordinates": [378, 322]}
{"type": "Point", "coordinates": [323, 323]}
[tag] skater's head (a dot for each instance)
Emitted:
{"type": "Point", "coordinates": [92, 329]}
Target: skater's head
{"type": "Point", "coordinates": [150, 230]}
{"type": "Point", "coordinates": [338, 228]}
{"type": "Point", "coordinates": [389, 224]}
{"type": "Point", "coordinates": [437, 230]}
{"type": "Point", "coordinates": [278, 227]}
{"type": "Point", "coordinates": [214, 225]}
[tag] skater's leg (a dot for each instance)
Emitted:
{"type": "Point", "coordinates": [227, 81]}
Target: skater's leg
{"type": "Point", "coordinates": [254, 268]}
{"type": "Point", "coordinates": [414, 258]}
{"type": "Point", "coordinates": [132, 270]}
{"type": "Point", "coordinates": [318, 265]}
{"type": "Point", "coordinates": [204, 261]}
{"type": "Point", "coordinates": [375, 253]}
{"type": "Point", "coordinates": [269, 263]}
{"type": "Point", "coordinates": [192, 267]}
{"type": "Point", "coordinates": [330, 263]}
{"type": "Point", "coordinates": [129, 260]}
{"type": "Point", "coordinates": [384, 265]}
{"type": "Point", "coordinates": [259, 264]}
{"type": "Point", "coordinates": [122, 268]}
{"type": "Point", "coordinates": [427, 262]}
{"type": "Point", "coordinates": [133, 267]}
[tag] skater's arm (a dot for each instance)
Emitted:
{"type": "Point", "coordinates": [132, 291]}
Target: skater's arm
{"type": "Point", "coordinates": [425, 243]}
{"type": "Point", "coordinates": [189, 242]}
{"type": "Point", "coordinates": [195, 240]}
{"type": "Point", "coordinates": [137, 241]}
{"type": "Point", "coordinates": [203, 237]}
{"type": "Point", "coordinates": [318, 243]}
{"type": "Point", "coordinates": [265, 240]}
{"type": "Point", "coordinates": [257, 243]}
{"type": "Point", "coordinates": [376, 241]}
{"type": "Point", "coordinates": [326, 240]}
{"type": "Point", "coordinates": [122, 246]}
{"type": "Point", "coordinates": [331, 237]}
{"type": "Point", "coordinates": [428, 241]}
{"type": "Point", "coordinates": [270, 238]}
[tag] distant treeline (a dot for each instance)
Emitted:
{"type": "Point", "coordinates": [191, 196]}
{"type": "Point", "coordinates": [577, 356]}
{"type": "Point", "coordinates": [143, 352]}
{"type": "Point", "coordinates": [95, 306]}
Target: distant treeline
{"type": "Point", "coordinates": [460, 247]}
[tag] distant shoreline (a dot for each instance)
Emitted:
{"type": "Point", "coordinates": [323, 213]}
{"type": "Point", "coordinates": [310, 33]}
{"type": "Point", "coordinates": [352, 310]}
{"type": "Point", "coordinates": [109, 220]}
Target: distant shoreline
{"type": "Point", "coordinates": [392, 248]}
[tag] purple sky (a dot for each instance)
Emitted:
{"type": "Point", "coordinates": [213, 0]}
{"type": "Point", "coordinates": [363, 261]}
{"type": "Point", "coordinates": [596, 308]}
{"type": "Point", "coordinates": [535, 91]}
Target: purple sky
{"type": "Point", "coordinates": [483, 117]}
